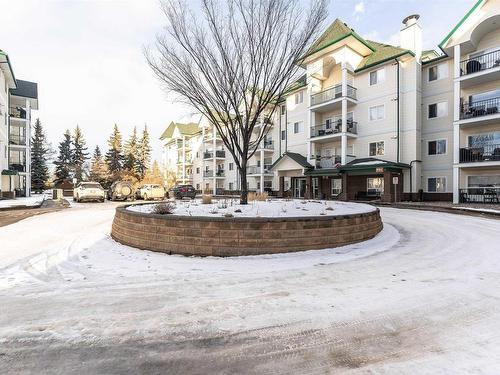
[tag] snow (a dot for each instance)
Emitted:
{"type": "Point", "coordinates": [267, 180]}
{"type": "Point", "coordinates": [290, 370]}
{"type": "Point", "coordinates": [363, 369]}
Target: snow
{"type": "Point", "coordinates": [488, 210]}
{"type": "Point", "coordinates": [34, 200]}
{"type": "Point", "coordinates": [373, 162]}
{"type": "Point", "coordinates": [270, 208]}
{"type": "Point", "coordinates": [422, 297]}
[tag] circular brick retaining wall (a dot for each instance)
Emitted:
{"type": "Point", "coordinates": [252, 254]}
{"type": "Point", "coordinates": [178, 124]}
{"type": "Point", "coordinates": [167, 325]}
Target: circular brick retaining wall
{"type": "Point", "coordinates": [221, 236]}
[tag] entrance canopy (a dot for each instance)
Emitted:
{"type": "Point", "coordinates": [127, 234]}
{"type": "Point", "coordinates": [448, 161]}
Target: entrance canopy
{"type": "Point", "coordinates": [372, 165]}
{"type": "Point", "coordinates": [291, 164]}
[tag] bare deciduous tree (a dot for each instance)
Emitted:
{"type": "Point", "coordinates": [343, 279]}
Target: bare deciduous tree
{"type": "Point", "coordinates": [233, 61]}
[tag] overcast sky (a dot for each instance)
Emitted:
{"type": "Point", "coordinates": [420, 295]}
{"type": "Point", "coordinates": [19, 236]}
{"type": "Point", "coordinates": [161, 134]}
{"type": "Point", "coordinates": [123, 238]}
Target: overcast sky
{"type": "Point", "coordinates": [86, 56]}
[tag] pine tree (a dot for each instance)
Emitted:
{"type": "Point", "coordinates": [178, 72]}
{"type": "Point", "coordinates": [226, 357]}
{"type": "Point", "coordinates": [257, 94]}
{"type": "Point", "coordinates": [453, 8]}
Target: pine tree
{"type": "Point", "coordinates": [64, 160]}
{"type": "Point", "coordinates": [98, 168]}
{"type": "Point", "coordinates": [144, 151]}
{"type": "Point", "coordinates": [131, 153]}
{"type": "Point", "coordinates": [39, 169]}
{"type": "Point", "coordinates": [153, 175]}
{"type": "Point", "coordinates": [79, 155]}
{"type": "Point", "coordinates": [114, 156]}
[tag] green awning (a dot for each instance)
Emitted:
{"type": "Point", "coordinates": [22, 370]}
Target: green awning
{"type": "Point", "coordinates": [9, 172]}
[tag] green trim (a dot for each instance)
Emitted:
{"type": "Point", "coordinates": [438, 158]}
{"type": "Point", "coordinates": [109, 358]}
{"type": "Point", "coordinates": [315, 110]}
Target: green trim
{"type": "Point", "coordinates": [323, 172]}
{"type": "Point", "coordinates": [9, 172]}
{"type": "Point", "coordinates": [10, 66]}
{"type": "Point", "coordinates": [445, 40]}
{"type": "Point", "coordinates": [385, 60]}
{"type": "Point", "coordinates": [436, 59]}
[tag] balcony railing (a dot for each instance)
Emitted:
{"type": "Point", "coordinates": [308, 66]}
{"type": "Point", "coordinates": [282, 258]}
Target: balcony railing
{"type": "Point", "coordinates": [479, 154]}
{"type": "Point", "coordinates": [329, 162]}
{"type": "Point", "coordinates": [17, 112]}
{"type": "Point", "coordinates": [480, 195]}
{"type": "Point", "coordinates": [218, 154]}
{"type": "Point", "coordinates": [17, 167]}
{"type": "Point", "coordinates": [19, 140]}
{"type": "Point", "coordinates": [268, 145]}
{"type": "Point", "coordinates": [333, 128]}
{"type": "Point", "coordinates": [479, 108]}
{"type": "Point", "coordinates": [331, 93]}
{"type": "Point", "coordinates": [219, 173]}
{"type": "Point", "coordinates": [479, 63]}
{"type": "Point", "coordinates": [256, 169]}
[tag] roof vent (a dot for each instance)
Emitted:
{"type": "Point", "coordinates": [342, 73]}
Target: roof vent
{"type": "Point", "coordinates": [410, 20]}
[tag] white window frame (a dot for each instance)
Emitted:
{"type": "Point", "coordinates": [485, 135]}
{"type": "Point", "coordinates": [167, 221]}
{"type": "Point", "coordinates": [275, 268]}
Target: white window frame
{"type": "Point", "coordinates": [444, 73]}
{"type": "Point", "coordinates": [370, 143]}
{"type": "Point", "coordinates": [299, 97]}
{"type": "Point", "coordinates": [436, 177]}
{"type": "Point", "coordinates": [283, 109]}
{"type": "Point", "coordinates": [377, 119]}
{"type": "Point", "coordinates": [437, 110]}
{"type": "Point", "coordinates": [379, 80]}
{"type": "Point", "coordinates": [437, 140]}
{"type": "Point", "coordinates": [300, 128]}
{"type": "Point", "coordinates": [333, 191]}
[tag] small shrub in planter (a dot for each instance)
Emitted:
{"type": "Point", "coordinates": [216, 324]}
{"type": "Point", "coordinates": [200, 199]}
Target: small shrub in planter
{"type": "Point", "coordinates": [257, 196]}
{"type": "Point", "coordinates": [329, 208]}
{"type": "Point", "coordinates": [206, 199]}
{"type": "Point", "coordinates": [228, 214]}
{"type": "Point", "coordinates": [237, 210]}
{"type": "Point", "coordinates": [164, 208]}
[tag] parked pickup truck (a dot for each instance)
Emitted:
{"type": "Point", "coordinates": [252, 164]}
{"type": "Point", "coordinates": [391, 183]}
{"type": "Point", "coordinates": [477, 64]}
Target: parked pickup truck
{"type": "Point", "coordinates": [150, 191]}
{"type": "Point", "coordinates": [89, 191]}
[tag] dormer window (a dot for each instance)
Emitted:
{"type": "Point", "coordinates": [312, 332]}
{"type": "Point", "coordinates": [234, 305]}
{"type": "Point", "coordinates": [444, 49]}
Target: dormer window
{"type": "Point", "coordinates": [377, 76]}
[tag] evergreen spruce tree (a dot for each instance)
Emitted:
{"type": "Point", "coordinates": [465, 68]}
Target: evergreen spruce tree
{"type": "Point", "coordinates": [79, 155]}
{"type": "Point", "coordinates": [98, 168]}
{"type": "Point", "coordinates": [144, 151]}
{"type": "Point", "coordinates": [39, 169]}
{"type": "Point", "coordinates": [64, 160]}
{"type": "Point", "coordinates": [114, 156]}
{"type": "Point", "coordinates": [131, 153]}
{"type": "Point", "coordinates": [153, 175]}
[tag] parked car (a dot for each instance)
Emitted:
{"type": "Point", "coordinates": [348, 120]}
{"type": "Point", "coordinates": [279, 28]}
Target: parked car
{"type": "Point", "coordinates": [182, 191]}
{"type": "Point", "coordinates": [89, 191]}
{"type": "Point", "coordinates": [150, 191]}
{"type": "Point", "coordinates": [121, 191]}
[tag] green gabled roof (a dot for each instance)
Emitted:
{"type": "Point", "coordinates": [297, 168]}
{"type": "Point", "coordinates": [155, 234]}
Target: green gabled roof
{"type": "Point", "coordinates": [6, 59]}
{"type": "Point", "coordinates": [383, 52]}
{"type": "Point", "coordinates": [450, 34]}
{"type": "Point", "coordinates": [298, 158]}
{"type": "Point", "coordinates": [185, 129]}
{"type": "Point", "coordinates": [337, 31]}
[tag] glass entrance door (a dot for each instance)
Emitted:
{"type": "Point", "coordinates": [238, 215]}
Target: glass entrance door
{"type": "Point", "coordinates": [299, 188]}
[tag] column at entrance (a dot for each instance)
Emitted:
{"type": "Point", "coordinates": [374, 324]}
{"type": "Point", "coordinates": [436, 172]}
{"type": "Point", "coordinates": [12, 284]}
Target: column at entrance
{"type": "Point", "coordinates": [281, 191]}
{"type": "Point", "coordinates": [308, 193]}
{"type": "Point", "coordinates": [387, 196]}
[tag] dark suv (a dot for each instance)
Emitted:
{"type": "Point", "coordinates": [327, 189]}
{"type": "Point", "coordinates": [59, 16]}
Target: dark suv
{"type": "Point", "coordinates": [182, 191]}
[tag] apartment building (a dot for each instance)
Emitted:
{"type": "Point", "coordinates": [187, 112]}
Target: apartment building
{"type": "Point", "coordinates": [17, 99]}
{"type": "Point", "coordinates": [371, 120]}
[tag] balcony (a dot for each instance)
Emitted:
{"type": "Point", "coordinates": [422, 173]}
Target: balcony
{"type": "Point", "coordinates": [17, 112]}
{"type": "Point", "coordinates": [218, 154]}
{"type": "Point", "coordinates": [330, 162]}
{"type": "Point", "coordinates": [218, 173]}
{"type": "Point", "coordinates": [266, 145]}
{"type": "Point", "coordinates": [480, 154]}
{"type": "Point", "coordinates": [479, 108]}
{"type": "Point", "coordinates": [256, 169]}
{"type": "Point", "coordinates": [480, 63]}
{"type": "Point", "coordinates": [17, 167]}
{"type": "Point", "coordinates": [17, 140]}
{"type": "Point", "coordinates": [209, 138]}
{"type": "Point", "coordinates": [480, 195]}
{"type": "Point", "coordinates": [333, 128]}
{"type": "Point", "coordinates": [332, 93]}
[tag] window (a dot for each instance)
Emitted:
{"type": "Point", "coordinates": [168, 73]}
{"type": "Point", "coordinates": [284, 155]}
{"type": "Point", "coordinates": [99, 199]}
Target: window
{"type": "Point", "coordinates": [484, 181]}
{"type": "Point", "coordinates": [438, 72]}
{"type": "Point", "coordinates": [377, 148]}
{"type": "Point", "coordinates": [377, 76]}
{"type": "Point", "coordinates": [485, 140]}
{"type": "Point", "coordinates": [377, 112]}
{"type": "Point", "coordinates": [436, 184]}
{"type": "Point", "coordinates": [197, 170]}
{"type": "Point", "coordinates": [297, 127]}
{"type": "Point", "coordinates": [283, 110]}
{"type": "Point", "coordinates": [437, 147]}
{"type": "Point", "coordinates": [258, 185]}
{"type": "Point", "coordinates": [197, 186]}
{"type": "Point", "coordinates": [336, 186]}
{"type": "Point", "coordinates": [375, 185]}
{"type": "Point", "coordinates": [197, 154]}
{"type": "Point", "coordinates": [283, 135]}
{"type": "Point", "coordinates": [438, 109]}
{"type": "Point", "coordinates": [231, 166]}
{"type": "Point", "coordinates": [231, 186]}
{"type": "Point", "coordinates": [299, 97]}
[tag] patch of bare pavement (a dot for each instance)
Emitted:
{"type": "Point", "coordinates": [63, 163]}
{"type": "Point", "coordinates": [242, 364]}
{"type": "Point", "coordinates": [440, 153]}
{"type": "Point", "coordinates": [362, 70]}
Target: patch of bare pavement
{"type": "Point", "coordinates": [421, 298]}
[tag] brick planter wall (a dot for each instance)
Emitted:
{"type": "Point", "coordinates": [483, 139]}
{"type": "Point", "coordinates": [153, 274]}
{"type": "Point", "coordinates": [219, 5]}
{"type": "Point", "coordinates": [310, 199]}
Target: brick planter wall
{"type": "Point", "coordinates": [220, 236]}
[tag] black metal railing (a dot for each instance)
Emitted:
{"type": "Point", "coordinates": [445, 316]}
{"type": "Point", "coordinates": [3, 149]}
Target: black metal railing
{"type": "Point", "coordinates": [329, 162]}
{"type": "Point", "coordinates": [17, 167]}
{"type": "Point", "coordinates": [479, 154]}
{"type": "Point", "coordinates": [331, 93]}
{"type": "Point", "coordinates": [479, 195]}
{"type": "Point", "coordinates": [218, 154]}
{"type": "Point", "coordinates": [17, 112]}
{"type": "Point", "coordinates": [218, 173]}
{"type": "Point", "coordinates": [19, 140]}
{"type": "Point", "coordinates": [479, 63]}
{"type": "Point", "coordinates": [334, 127]}
{"type": "Point", "coordinates": [479, 108]}
{"type": "Point", "coordinates": [256, 169]}
{"type": "Point", "coordinates": [267, 144]}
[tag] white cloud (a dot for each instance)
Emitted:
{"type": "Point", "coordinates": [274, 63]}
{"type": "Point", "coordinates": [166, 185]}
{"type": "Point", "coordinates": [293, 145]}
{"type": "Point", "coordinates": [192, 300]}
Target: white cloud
{"type": "Point", "coordinates": [359, 9]}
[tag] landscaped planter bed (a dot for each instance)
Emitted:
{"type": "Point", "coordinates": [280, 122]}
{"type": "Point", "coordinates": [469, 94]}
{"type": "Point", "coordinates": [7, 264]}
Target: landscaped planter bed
{"type": "Point", "coordinates": [204, 232]}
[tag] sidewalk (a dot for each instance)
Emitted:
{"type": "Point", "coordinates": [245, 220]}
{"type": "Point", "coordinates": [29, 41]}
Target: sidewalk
{"type": "Point", "coordinates": [474, 209]}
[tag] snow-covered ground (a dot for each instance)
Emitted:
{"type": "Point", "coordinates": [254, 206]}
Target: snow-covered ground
{"type": "Point", "coordinates": [34, 200]}
{"type": "Point", "coordinates": [423, 297]}
{"type": "Point", "coordinates": [269, 208]}
{"type": "Point", "coordinates": [487, 210]}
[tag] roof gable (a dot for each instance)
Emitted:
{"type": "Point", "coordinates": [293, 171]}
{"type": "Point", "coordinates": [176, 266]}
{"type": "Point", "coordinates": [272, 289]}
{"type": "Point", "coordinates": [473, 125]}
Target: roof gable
{"type": "Point", "coordinates": [383, 52]}
{"type": "Point", "coordinates": [301, 160]}
{"type": "Point", "coordinates": [179, 129]}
